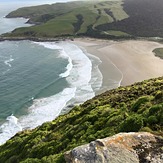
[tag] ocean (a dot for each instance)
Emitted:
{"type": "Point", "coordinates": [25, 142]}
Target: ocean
{"type": "Point", "coordinates": [39, 81]}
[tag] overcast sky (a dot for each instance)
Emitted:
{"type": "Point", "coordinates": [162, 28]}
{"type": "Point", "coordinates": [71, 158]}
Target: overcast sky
{"type": "Point", "coordinates": [14, 4]}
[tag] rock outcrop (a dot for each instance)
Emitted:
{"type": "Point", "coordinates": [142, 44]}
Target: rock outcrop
{"type": "Point", "coordinates": [141, 147]}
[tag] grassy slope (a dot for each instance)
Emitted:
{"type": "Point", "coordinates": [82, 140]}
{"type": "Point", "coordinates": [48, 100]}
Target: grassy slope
{"type": "Point", "coordinates": [59, 19]}
{"type": "Point", "coordinates": [36, 12]}
{"type": "Point", "coordinates": [145, 19]}
{"type": "Point", "coordinates": [130, 18]}
{"type": "Point", "coordinates": [158, 52]}
{"type": "Point", "coordinates": [138, 107]}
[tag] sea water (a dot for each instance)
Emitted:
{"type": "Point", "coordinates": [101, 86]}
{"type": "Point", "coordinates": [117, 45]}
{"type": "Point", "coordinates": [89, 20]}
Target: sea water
{"type": "Point", "coordinates": [38, 81]}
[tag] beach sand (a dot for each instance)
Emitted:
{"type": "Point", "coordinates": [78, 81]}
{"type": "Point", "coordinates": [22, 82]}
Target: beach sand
{"type": "Point", "coordinates": [124, 62]}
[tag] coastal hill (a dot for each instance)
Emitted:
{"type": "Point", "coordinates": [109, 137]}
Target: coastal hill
{"type": "Point", "coordinates": [134, 113]}
{"type": "Point", "coordinates": [101, 19]}
{"type": "Point", "coordinates": [134, 108]}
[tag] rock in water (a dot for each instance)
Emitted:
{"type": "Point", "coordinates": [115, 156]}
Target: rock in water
{"type": "Point", "coordinates": [141, 147]}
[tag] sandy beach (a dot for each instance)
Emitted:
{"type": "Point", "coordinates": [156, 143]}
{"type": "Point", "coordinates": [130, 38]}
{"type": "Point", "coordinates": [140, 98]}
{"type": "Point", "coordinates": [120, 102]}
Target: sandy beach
{"type": "Point", "coordinates": [124, 62]}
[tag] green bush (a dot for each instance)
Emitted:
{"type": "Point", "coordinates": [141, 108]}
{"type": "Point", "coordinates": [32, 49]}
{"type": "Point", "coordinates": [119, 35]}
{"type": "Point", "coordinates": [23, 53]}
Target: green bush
{"type": "Point", "coordinates": [13, 159]}
{"type": "Point", "coordinates": [152, 120]}
{"type": "Point", "coordinates": [139, 102]}
{"type": "Point", "coordinates": [132, 124]}
{"type": "Point", "coordinates": [32, 160]}
{"type": "Point", "coordinates": [146, 129]}
{"type": "Point", "coordinates": [155, 109]}
{"type": "Point", "coordinates": [159, 95]}
{"type": "Point", "coordinates": [95, 119]}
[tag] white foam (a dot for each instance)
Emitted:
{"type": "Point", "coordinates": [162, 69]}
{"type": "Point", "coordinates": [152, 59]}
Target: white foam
{"type": "Point", "coordinates": [68, 67]}
{"type": "Point", "coordinates": [7, 62]}
{"type": "Point", "coordinates": [49, 45]}
{"type": "Point", "coordinates": [78, 73]}
{"type": "Point", "coordinates": [9, 129]}
{"type": "Point", "coordinates": [46, 109]}
{"type": "Point", "coordinates": [63, 54]}
{"type": "Point", "coordinates": [42, 110]}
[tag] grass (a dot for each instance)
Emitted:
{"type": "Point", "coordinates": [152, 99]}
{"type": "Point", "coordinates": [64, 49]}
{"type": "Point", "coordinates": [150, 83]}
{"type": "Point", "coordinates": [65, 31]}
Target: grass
{"type": "Point", "coordinates": [62, 25]}
{"type": "Point", "coordinates": [89, 19]}
{"type": "Point", "coordinates": [116, 33]}
{"type": "Point", "coordinates": [59, 19]}
{"type": "Point", "coordinates": [158, 52]}
{"type": "Point", "coordinates": [102, 20]}
{"type": "Point", "coordinates": [132, 17]}
{"type": "Point", "coordinates": [143, 19]}
{"type": "Point", "coordinates": [118, 11]}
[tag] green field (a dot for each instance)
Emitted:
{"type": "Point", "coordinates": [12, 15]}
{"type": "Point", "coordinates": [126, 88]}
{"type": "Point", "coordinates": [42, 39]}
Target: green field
{"type": "Point", "coordinates": [115, 33]}
{"type": "Point", "coordinates": [65, 19]}
{"type": "Point", "coordinates": [158, 52]}
{"type": "Point", "coordinates": [131, 19]}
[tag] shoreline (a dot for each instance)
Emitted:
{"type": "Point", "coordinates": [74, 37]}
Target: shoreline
{"type": "Point", "coordinates": [115, 57]}
{"type": "Point", "coordinates": [111, 79]}
{"type": "Point", "coordinates": [39, 107]}
{"type": "Point", "coordinates": [36, 39]}
{"type": "Point", "coordinates": [134, 59]}
{"type": "Point", "coordinates": [123, 61]}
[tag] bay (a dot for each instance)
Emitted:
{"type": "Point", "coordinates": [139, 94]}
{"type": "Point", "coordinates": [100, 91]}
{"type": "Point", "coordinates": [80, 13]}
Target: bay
{"type": "Point", "coordinates": [38, 81]}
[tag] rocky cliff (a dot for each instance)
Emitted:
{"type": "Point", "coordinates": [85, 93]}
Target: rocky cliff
{"type": "Point", "coordinates": [141, 147]}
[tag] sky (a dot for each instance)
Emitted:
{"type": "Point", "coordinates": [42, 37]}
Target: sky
{"type": "Point", "coordinates": [14, 4]}
{"type": "Point", "coordinates": [34, 1]}
{"type": "Point", "coordinates": [19, 2]}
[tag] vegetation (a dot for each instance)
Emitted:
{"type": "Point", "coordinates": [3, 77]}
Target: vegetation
{"type": "Point", "coordinates": [101, 19]}
{"type": "Point", "coordinates": [138, 107]}
{"type": "Point", "coordinates": [115, 33]}
{"type": "Point", "coordinates": [158, 52]}
{"type": "Point", "coordinates": [69, 19]}
{"type": "Point", "coordinates": [145, 19]}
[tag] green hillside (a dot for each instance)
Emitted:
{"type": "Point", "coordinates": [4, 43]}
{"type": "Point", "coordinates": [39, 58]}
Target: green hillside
{"type": "Point", "coordinates": [158, 52]}
{"type": "Point", "coordinates": [138, 107]}
{"type": "Point", "coordinates": [101, 19]}
{"type": "Point", "coordinates": [145, 19]}
{"type": "Point", "coordinates": [69, 19]}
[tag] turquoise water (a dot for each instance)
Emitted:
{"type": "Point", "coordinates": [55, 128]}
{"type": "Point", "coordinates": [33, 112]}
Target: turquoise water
{"type": "Point", "coordinates": [28, 71]}
{"type": "Point", "coordinates": [41, 80]}
{"type": "Point", "coordinates": [38, 81]}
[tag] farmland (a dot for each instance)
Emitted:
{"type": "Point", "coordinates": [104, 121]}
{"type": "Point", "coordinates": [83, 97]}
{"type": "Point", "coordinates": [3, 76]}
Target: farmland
{"type": "Point", "coordinates": [101, 19]}
{"type": "Point", "coordinates": [74, 18]}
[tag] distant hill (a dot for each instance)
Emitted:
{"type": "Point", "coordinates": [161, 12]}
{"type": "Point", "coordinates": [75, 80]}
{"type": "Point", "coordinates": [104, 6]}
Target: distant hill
{"type": "Point", "coordinates": [104, 19]}
{"type": "Point", "coordinates": [145, 19]}
{"type": "Point", "coordinates": [70, 19]}
{"type": "Point", "coordinates": [138, 107]}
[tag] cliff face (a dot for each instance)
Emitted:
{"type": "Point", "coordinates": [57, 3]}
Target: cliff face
{"type": "Point", "coordinates": [141, 147]}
